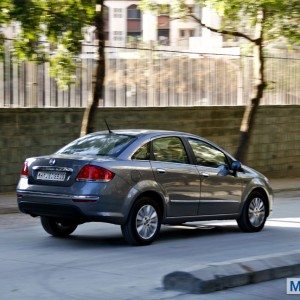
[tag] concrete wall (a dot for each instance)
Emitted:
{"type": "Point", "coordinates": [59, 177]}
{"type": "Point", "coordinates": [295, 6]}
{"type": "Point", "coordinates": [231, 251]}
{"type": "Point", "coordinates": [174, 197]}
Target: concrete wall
{"type": "Point", "coordinates": [274, 150]}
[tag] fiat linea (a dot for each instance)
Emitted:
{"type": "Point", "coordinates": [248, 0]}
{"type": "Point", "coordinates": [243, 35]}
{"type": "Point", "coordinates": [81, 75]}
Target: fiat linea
{"type": "Point", "coordinates": [140, 179]}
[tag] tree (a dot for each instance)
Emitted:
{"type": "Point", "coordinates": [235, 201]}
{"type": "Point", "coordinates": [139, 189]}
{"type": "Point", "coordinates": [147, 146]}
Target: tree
{"type": "Point", "coordinates": [256, 21]}
{"type": "Point", "coordinates": [5, 7]}
{"type": "Point", "coordinates": [52, 30]}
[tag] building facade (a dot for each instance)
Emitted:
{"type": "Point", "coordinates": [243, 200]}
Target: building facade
{"type": "Point", "coordinates": [126, 24]}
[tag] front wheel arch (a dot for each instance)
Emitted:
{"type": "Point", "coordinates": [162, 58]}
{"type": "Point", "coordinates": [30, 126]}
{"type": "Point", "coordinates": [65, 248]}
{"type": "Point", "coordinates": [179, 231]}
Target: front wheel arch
{"type": "Point", "coordinates": [244, 219]}
{"type": "Point", "coordinates": [261, 191]}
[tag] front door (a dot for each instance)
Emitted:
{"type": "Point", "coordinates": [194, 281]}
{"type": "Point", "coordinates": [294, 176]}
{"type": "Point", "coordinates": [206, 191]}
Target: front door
{"type": "Point", "coordinates": [221, 191]}
{"type": "Point", "coordinates": [178, 178]}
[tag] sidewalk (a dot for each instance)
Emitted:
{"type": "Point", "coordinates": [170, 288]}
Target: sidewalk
{"type": "Point", "coordinates": [285, 184]}
{"type": "Point", "coordinates": [8, 201]}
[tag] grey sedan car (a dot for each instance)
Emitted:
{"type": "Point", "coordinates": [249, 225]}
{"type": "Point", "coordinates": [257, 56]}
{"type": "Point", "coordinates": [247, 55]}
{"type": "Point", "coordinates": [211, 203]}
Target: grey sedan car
{"type": "Point", "coordinates": [140, 179]}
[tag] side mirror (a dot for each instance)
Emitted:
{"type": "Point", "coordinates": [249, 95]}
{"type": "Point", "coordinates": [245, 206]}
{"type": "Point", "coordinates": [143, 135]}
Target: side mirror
{"type": "Point", "coordinates": [236, 166]}
{"type": "Point", "coordinates": [223, 170]}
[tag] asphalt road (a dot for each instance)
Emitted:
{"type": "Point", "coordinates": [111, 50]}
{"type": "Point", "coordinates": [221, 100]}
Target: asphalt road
{"type": "Point", "coordinates": [96, 263]}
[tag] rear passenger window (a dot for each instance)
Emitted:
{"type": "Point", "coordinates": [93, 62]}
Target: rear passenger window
{"type": "Point", "coordinates": [169, 149]}
{"type": "Point", "coordinates": [142, 153]}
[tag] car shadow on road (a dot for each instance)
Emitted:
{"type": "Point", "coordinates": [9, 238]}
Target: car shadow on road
{"type": "Point", "coordinates": [91, 241]}
{"type": "Point", "coordinates": [168, 233]}
{"type": "Point", "coordinates": [195, 231]}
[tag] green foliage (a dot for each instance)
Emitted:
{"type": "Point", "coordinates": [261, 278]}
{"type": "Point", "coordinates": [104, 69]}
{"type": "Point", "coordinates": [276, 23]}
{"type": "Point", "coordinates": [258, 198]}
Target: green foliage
{"type": "Point", "coordinates": [5, 8]}
{"type": "Point", "coordinates": [1, 45]}
{"type": "Point", "coordinates": [58, 23]}
{"type": "Point", "coordinates": [148, 5]}
{"type": "Point", "coordinates": [282, 17]}
{"type": "Point", "coordinates": [63, 67]}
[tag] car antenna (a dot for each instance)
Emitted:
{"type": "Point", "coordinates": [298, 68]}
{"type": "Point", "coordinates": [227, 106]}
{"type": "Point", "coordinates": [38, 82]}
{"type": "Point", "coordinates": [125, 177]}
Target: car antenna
{"type": "Point", "coordinates": [107, 126]}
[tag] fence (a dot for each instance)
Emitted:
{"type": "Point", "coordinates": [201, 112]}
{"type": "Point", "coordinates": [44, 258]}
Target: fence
{"type": "Point", "coordinates": [144, 77]}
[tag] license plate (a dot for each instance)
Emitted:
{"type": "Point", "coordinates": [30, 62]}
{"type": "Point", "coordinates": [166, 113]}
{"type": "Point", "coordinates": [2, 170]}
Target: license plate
{"type": "Point", "coordinates": [53, 176]}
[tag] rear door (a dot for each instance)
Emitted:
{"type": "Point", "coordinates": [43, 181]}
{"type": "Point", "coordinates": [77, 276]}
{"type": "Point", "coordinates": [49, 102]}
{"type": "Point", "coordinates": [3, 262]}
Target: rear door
{"type": "Point", "coordinates": [178, 178]}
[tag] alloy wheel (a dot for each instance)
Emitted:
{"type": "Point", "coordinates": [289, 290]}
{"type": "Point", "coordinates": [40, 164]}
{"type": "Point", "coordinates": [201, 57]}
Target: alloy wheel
{"type": "Point", "coordinates": [256, 212]}
{"type": "Point", "coordinates": [146, 221]}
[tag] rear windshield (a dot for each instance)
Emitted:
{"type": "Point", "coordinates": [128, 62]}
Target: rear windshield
{"type": "Point", "coordinates": [102, 144]}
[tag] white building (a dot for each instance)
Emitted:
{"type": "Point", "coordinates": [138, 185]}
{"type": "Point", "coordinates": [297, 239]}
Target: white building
{"type": "Point", "coordinates": [125, 23]}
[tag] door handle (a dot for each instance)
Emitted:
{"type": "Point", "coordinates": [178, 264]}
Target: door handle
{"type": "Point", "coordinates": [205, 174]}
{"type": "Point", "coordinates": [161, 171]}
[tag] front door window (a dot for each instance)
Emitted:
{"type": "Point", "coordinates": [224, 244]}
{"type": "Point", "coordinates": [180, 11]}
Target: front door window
{"type": "Point", "coordinates": [206, 155]}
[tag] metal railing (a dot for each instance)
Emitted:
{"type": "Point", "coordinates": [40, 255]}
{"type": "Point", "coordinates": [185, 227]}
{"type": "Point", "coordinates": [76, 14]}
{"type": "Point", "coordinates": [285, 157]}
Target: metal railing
{"type": "Point", "coordinates": [145, 77]}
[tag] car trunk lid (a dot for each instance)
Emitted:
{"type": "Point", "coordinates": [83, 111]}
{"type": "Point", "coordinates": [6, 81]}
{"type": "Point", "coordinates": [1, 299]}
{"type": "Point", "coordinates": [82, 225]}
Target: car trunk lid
{"type": "Point", "coordinates": [58, 169]}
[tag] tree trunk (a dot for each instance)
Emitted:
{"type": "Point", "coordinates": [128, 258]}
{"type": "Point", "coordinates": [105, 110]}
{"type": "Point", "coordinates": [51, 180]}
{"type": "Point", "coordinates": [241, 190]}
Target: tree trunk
{"type": "Point", "coordinates": [258, 90]}
{"type": "Point", "coordinates": [94, 97]}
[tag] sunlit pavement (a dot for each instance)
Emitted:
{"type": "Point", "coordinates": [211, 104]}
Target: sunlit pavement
{"type": "Point", "coordinates": [96, 263]}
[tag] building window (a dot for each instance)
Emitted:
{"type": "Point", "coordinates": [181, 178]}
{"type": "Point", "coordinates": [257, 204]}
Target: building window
{"type": "Point", "coordinates": [118, 35]}
{"type": "Point", "coordinates": [133, 12]}
{"type": "Point", "coordinates": [134, 34]}
{"type": "Point", "coordinates": [134, 23]}
{"type": "Point", "coordinates": [163, 36]}
{"type": "Point", "coordinates": [163, 28]}
{"type": "Point", "coordinates": [186, 33]}
{"type": "Point", "coordinates": [118, 13]}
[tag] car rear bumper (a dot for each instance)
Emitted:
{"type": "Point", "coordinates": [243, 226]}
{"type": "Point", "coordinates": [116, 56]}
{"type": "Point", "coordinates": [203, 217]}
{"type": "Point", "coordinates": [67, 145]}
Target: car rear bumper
{"type": "Point", "coordinates": [51, 210]}
{"type": "Point", "coordinates": [80, 208]}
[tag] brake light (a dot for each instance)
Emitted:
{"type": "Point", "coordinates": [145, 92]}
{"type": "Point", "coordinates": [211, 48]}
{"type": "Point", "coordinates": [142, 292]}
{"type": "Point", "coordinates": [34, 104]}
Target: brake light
{"type": "Point", "coordinates": [95, 173]}
{"type": "Point", "coordinates": [24, 171]}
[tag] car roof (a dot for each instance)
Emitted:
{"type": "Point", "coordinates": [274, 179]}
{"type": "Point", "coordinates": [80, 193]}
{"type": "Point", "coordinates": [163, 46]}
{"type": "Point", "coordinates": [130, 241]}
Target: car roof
{"type": "Point", "coordinates": [147, 132]}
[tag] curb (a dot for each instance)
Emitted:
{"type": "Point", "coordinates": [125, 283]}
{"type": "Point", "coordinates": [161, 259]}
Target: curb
{"type": "Point", "coordinates": [8, 210]}
{"type": "Point", "coordinates": [225, 275]}
{"type": "Point", "coordinates": [286, 190]}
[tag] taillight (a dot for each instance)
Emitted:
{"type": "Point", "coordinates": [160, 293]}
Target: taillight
{"type": "Point", "coordinates": [95, 173]}
{"type": "Point", "coordinates": [24, 171]}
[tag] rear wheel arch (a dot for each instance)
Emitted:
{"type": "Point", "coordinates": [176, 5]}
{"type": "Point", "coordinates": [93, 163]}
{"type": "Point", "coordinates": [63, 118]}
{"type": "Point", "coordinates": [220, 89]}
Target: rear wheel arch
{"type": "Point", "coordinates": [145, 214]}
{"type": "Point", "coordinates": [155, 196]}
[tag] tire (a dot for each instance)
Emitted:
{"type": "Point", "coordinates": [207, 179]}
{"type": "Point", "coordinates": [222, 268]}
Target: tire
{"type": "Point", "coordinates": [254, 213]}
{"type": "Point", "coordinates": [143, 224]}
{"type": "Point", "coordinates": [58, 228]}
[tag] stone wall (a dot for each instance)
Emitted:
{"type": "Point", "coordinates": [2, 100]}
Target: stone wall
{"type": "Point", "coordinates": [274, 149]}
